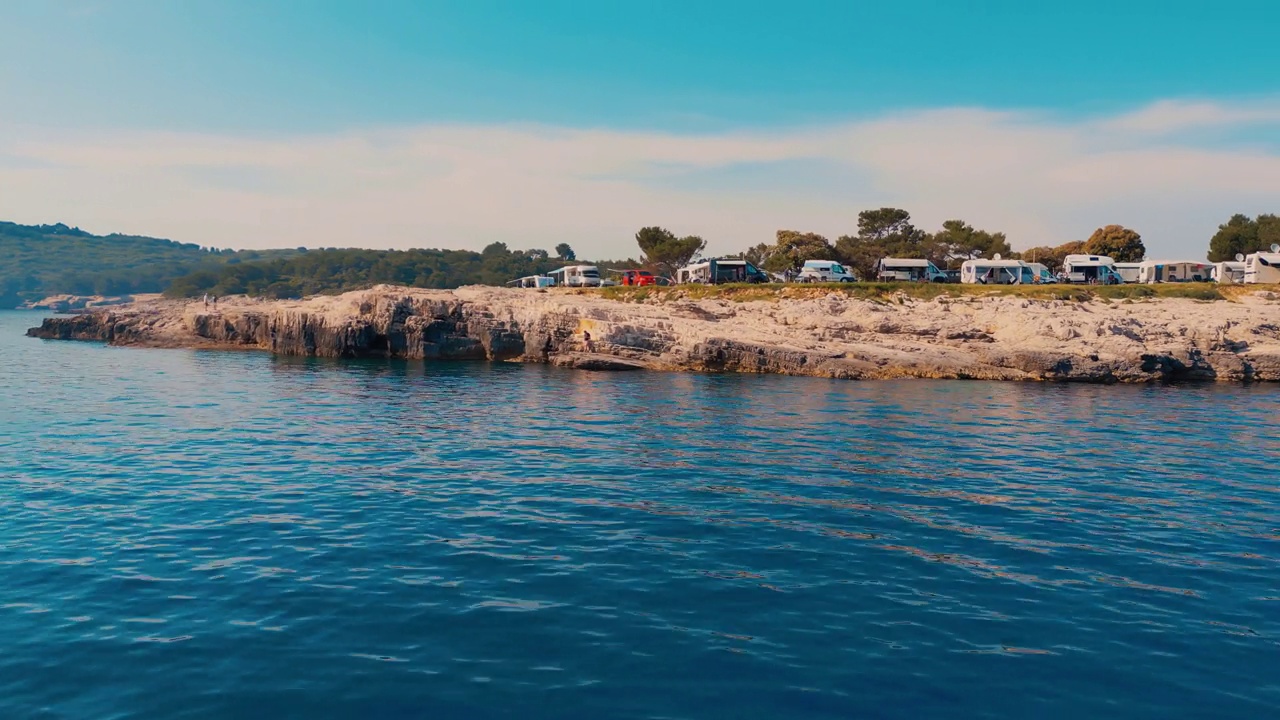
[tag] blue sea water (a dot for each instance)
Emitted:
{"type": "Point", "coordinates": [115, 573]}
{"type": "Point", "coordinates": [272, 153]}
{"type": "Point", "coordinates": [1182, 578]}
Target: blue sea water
{"type": "Point", "coordinates": [213, 534]}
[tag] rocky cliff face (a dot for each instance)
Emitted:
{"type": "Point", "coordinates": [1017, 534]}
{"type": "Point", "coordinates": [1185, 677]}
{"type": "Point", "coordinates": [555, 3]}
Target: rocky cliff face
{"type": "Point", "coordinates": [827, 335]}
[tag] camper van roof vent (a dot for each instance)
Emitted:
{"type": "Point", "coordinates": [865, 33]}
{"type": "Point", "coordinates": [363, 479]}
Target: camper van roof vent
{"type": "Point", "coordinates": [1239, 257]}
{"type": "Point", "coordinates": [996, 256]}
{"type": "Point", "coordinates": [1275, 248]}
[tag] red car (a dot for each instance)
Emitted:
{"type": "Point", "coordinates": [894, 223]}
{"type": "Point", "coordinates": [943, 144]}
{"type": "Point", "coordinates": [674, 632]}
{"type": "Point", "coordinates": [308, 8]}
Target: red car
{"type": "Point", "coordinates": [637, 277]}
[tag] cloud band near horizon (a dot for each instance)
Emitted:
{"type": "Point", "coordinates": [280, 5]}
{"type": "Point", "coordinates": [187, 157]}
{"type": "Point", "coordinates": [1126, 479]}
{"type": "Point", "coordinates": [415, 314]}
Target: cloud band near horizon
{"type": "Point", "coordinates": [1172, 170]}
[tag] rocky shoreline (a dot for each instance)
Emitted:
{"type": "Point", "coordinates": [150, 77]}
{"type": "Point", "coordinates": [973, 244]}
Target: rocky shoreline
{"type": "Point", "coordinates": [821, 333]}
{"type": "Point", "coordinates": [80, 303]}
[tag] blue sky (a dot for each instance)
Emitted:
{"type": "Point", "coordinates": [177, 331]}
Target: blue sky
{"type": "Point", "coordinates": [630, 81]}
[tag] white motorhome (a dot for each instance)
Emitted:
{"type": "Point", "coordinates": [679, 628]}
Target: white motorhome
{"type": "Point", "coordinates": [532, 281]}
{"type": "Point", "coordinates": [717, 271]}
{"type": "Point", "coordinates": [1229, 272]}
{"type": "Point", "coordinates": [1263, 267]}
{"type": "Point", "coordinates": [909, 270]}
{"type": "Point", "coordinates": [1128, 271]}
{"type": "Point", "coordinates": [1163, 271]}
{"type": "Point", "coordinates": [1091, 269]}
{"type": "Point", "coordinates": [825, 271]}
{"type": "Point", "coordinates": [1041, 273]}
{"type": "Point", "coordinates": [576, 276]}
{"type": "Point", "coordinates": [996, 271]}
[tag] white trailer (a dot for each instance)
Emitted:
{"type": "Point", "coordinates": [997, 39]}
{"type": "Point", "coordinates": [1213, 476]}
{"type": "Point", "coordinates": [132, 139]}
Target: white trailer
{"type": "Point", "coordinates": [1041, 273]}
{"type": "Point", "coordinates": [1166, 271]}
{"type": "Point", "coordinates": [1229, 272]}
{"type": "Point", "coordinates": [576, 276]}
{"type": "Point", "coordinates": [1128, 271]}
{"type": "Point", "coordinates": [996, 272]}
{"type": "Point", "coordinates": [1091, 269]}
{"type": "Point", "coordinates": [532, 281]}
{"type": "Point", "coordinates": [1263, 267]}
{"type": "Point", "coordinates": [909, 270]}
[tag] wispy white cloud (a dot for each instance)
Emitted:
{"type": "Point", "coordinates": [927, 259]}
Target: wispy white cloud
{"type": "Point", "coordinates": [1039, 178]}
{"type": "Point", "coordinates": [1168, 116]}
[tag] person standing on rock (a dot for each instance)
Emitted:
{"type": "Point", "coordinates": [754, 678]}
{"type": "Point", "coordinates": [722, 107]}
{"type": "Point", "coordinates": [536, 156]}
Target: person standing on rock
{"type": "Point", "coordinates": [215, 302]}
{"type": "Point", "coordinates": [206, 301]}
{"type": "Point", "coordinates": [586, 340]}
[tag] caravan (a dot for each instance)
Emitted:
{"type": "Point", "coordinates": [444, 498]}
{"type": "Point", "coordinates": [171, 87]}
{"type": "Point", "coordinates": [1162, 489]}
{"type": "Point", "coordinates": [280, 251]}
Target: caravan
{"type": "Point", "coordinates": [532, 281]}
{"type": "Point", "coordinates": [1091, 269]}
{"type": "Point", "coordinates": [576, 276]}
{"type": "Point", "coordinates": [717, 271]}
{"type": "Point", "coordinates": [1263, 267]}
{"type": "Point", "coordinates": [1162, 271]}
{"type": "Point", "coordinates": [996, 272]}
{"type": "Point", "coordinates": [909, 270]}
{"type": "Point", "coordinates": [1128, 271]}
{"type": "Point", "coordinates": [1229, 272]}
{"type": "Point", "coordinates": [1041, 273]}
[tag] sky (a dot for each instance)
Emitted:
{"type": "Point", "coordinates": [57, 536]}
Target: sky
{"type": "Point", "coordinates": [415, 123]}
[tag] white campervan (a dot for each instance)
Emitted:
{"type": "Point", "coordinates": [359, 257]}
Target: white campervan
{"type": "Point", "coordinates": [909, 270]}
{"type": "Point", "coordinates": [824, 271]}
{"type": "Point", "coordinates": [996, 271]}
{"type": "Point", "coordinates": [1163, 271]}
{"type": "Point", "coordinates": [576, 276]}
{"type": "Point", "coordinates": [1091, 269]}
{"type": "Point", "coordinates": [1229, 272]}
{"type": "Point", "coordinates": [1263, 267]}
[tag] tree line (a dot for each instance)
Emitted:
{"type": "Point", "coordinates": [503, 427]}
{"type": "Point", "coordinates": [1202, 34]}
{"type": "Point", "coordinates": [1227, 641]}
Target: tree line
{"type": "Point", "coordinates": [41, 260]}
{"type": "Point", "coordinates": [310, 272]}
{"type": "Point", "coordinates": [889, 232]}
{"type": "Point", "coordinates": [881, 233]}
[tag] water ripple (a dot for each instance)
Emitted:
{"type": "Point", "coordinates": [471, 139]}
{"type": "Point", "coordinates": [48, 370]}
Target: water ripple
{"type": "Point", "coordinates": [192, 534]}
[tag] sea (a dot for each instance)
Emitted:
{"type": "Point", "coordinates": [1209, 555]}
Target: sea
{"type": "Point", "coordinates": [213, 534]}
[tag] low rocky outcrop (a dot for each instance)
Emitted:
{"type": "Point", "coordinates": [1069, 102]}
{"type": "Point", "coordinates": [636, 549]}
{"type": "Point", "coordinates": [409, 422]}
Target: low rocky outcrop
{"type": "Point", "coordinates": [821, 334]}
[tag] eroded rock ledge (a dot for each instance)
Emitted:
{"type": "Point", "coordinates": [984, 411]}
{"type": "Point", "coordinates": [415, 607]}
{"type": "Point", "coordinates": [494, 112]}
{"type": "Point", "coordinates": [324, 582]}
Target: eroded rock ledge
{"type": "Point", "coordinates": [825, 335]}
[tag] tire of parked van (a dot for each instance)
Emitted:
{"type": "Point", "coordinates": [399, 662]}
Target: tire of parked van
{"type": "Point", "coordinates": [845, 280]}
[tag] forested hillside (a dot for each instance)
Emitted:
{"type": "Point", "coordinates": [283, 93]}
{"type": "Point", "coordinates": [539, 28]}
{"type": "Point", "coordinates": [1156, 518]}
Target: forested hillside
{"type": "Point", "coordinates": [41, 260]}
{"type": "Point", "coordinates": [336, 270]}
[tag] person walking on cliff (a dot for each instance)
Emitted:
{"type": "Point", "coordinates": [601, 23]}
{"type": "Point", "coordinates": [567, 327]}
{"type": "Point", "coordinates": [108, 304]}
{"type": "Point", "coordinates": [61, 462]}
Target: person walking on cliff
{"type": "Point", "coordinates": [206, 301]}
{"type": "Point", "coordinates": [215, 302]}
